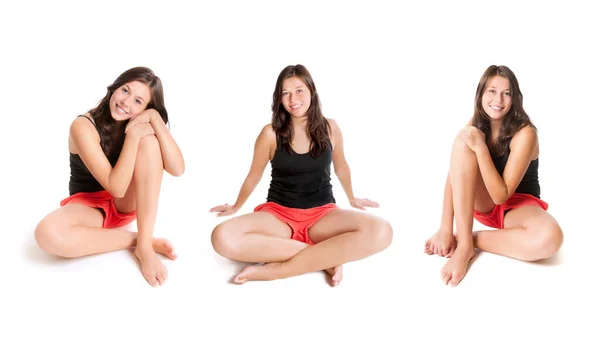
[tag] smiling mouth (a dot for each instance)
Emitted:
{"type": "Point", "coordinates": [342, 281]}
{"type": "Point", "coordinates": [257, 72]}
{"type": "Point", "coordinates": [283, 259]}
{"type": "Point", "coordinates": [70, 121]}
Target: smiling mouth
{"type": "Point", "coordinates": [496, 108]}
{"type": "Point", "coordinates": [296, 106]}
{"type": "Point", "coordinates": [121, 111]}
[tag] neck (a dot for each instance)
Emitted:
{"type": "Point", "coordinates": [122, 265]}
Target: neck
{"type": "Point", "coordinates": [299, 122]}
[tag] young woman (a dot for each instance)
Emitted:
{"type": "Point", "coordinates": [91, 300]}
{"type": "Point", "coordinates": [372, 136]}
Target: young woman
{"type": "Point", "coordinates": [299, 229]}
{"type": "Point", "coordinates": [494, 178]}
{"type": "Point", "coordinates": [118, 151]}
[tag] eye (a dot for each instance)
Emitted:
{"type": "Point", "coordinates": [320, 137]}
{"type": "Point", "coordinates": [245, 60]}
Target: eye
{"type": "Point", "coordinates": [299, 91]}
{"type": "Point", "coordinates": [492, 91]}
{"type": "Point", "coordinates": [507, 93]}
{"type": "Point", "coordinates": [285, 93]}
{"type": "Point", "coordinates": [125, 90]}
{"type": "Point", "coordinates": [138, 102]}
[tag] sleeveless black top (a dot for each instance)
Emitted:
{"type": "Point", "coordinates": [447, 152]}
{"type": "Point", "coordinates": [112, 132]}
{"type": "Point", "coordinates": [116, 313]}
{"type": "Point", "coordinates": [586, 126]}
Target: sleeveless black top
{"type": "Point", "coordinates": [81, 179]}
{"type": "Point", "coordinates": [299, 180]}
{"type": "Point", "coordinates": [530, 183]}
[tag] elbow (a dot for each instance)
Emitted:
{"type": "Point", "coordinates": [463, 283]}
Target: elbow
{"type": "Point", "coordinates": [178, 172]}
{"type": "Point", "coordinates": [117, 193]}
{"type": "Point", "coordinates": [500, 199]}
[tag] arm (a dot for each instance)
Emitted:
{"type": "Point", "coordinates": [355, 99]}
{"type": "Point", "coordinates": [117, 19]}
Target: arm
{"type": "Point", "coordinates": [86, 142]}
{"type": "Point", "coordinates": [262, 153]}
{"type": "Point", "coordinates": [522, 149]}
{"type": "Point", "coordinates": [171, 154]}
{"type": "Point", "coordinates": [340, 165]}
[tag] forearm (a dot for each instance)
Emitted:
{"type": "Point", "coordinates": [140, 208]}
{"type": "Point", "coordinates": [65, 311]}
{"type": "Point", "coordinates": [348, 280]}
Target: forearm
{"type": "Point", "coordinates": [343, 174]}
{"type": "Point", "coordinates": [448, 208]}
{"type": "Point", "coordinates": [171, 154]}
{"type": "Point", "coordinates": [121, 174]}
{"type": "Point", "coordinates": [492, 180]}
{"type": "Point", "coordinates": [247, 188]}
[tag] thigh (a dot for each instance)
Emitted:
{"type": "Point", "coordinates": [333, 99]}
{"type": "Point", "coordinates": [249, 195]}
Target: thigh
{"type": "Point", "coordinates": [341, 221]}
{"type": "Point", "coordinates": [72, 215]}
{"type": "Point", "coordinates": [531, 218]}
{"type": "Point", "coordinates": [256, 222]}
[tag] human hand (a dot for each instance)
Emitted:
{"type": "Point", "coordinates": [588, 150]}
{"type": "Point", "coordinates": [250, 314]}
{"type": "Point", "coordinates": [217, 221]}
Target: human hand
{"type": "Point", "coordinates": [361, 203]}
{"type": "Point", "coordinates": [224, 210]}
{"type": "Point", "coordinates": [145, 116]}
{"type": "Point", "coordinates": [473, 137]}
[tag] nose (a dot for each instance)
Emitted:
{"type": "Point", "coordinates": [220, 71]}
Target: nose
{"type": "Point", "coordinates": [125, 101]}
{"type": "Point", "coordinates": [499, 97]}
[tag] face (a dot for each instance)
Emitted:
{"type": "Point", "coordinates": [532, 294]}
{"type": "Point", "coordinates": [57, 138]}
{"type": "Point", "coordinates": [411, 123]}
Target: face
{"type": "Point", "coordinates": [129, 100]}
{"type": "Point", "coordinates": [295, 96]}
{"type": "Point", "coordinates": [496, 100]}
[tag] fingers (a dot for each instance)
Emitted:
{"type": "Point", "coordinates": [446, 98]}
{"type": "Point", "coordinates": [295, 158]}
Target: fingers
{"type": "Point", "coordinates": [219, 208]}
{"type": "Point", "coordinates": [357, 205]}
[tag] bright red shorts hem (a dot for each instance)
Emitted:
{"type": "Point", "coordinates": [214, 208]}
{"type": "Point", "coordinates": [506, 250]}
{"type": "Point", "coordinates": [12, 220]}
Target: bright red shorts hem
{"type": "Point", "coordinates": [495, 218]}
{"type": "Point", "coordinates": [299, 220]}
{"type": "Point", "coordinates": [104, 201]}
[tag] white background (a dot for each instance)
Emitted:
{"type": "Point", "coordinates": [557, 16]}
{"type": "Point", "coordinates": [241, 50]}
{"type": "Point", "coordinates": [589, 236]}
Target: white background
{"type": "Point", "coordinates": [400, 80]}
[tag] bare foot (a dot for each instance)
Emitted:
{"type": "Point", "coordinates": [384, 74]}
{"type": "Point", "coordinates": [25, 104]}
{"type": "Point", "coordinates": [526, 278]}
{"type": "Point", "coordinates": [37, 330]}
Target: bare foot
{"type": "Point", "coordinates": [153, 270]}
{"type": "Point", "coordinates": [266, 272]}
{"type": "Point", "coordinates": [455, 269]}
{"type": "Point", "coordinates": [336, 274]}
{"type": "Point", "coordinates": [442, 243]}
{"type": "Point", "coordinates": [164, 247]}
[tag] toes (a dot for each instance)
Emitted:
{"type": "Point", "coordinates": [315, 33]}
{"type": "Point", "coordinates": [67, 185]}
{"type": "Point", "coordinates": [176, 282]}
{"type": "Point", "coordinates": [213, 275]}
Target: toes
{"type": "Point", "coordinates": [447, 278]}
{"type": "Point", "coordinates": [455, 279]}
{"type": "Point", "coordinates": [162, 277]}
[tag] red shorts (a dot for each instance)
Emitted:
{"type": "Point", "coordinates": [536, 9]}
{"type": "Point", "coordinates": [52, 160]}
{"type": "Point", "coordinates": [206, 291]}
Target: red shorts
{"type": "Point", "coordinates": [105, 202]}
{"type": "Point", "coordinates": [299, 220]}
{"type": "Point", "coordinates": [495, 218]}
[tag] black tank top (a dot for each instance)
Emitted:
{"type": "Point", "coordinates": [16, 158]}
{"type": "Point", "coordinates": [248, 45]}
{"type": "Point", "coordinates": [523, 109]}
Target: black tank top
{"type": "Point", "coordinates": [81, 179]}
{"type": "Point", "coordinates": [530, 183]}
{"type": "Point", "coordinates": [299, 180]}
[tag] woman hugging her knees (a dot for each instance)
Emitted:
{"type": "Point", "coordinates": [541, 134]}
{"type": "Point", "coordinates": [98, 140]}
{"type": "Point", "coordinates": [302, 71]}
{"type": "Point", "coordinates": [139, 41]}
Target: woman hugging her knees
{"type": "Point", "coordinates": [494, 178]}
{"type": "Point", "coordinates": [299, 229]}
{"type": "Point", "coordinates": [118, 152]}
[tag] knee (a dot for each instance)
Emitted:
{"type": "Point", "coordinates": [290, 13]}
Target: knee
{"type": "Point", "coordinates": [51, 239]}
{"type": "Point", "coordinates": [223, 240]}
{"type": "Point", "coordinates": [460, 145]}
{"type": "Point", "coordinates": [381, 234]}
{"type": "Point", "coordinates": [547, 242]}
{"type": "Point", "coordinates": [149, 146]}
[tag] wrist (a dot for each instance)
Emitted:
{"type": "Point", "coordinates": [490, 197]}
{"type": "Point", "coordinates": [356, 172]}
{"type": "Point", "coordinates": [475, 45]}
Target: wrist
{"type": "Point", "coordinates": [154, 117]}
{"type": "Point", "coordinates": [480, 149]}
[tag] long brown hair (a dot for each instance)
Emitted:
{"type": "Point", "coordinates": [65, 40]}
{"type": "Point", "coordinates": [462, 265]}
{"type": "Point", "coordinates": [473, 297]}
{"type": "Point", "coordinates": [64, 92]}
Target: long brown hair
{"type": "Point", "coordinates": [515, 119]}
{"type": "Point", "coordinates": [317, 126]}
{"type": "Point", "coordinates": [112, 133]}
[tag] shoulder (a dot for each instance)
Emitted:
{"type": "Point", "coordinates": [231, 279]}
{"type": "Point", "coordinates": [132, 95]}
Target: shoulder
{"type": "Point", "coordinates": [267, 132]}
{"type": "Point", "coordinates": [267, 135]}
{"type": "Point", "coordinates": [82, 125]}
{"type": "Point", "coordinates": [333, 125]}
{"type": "Point", "coordinates": [527, 134]}
{"type": "Point", "coordinates": [525, 139]}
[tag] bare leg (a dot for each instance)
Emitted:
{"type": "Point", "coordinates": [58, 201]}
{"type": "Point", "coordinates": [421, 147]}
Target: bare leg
{"type": "Point", "coordinates": [255, 237]}
{"type": "Point", "coordinates": [75, 230]}
{"type": "Point", "coordinates": [468, 193]}
{"type": "Point", "coordinates": [259, 237]}
{"type": "Point", "coordinates": [147, 178]}
{"type": "Point", "coordinates": [442, 243]}
{"type": "Point", "coordinates": [341, 236]}
{"type": "Point", "coordinates": [529, 234]}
